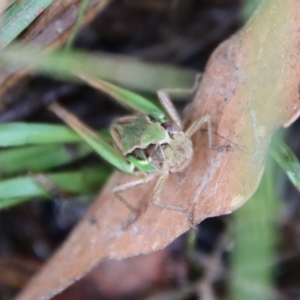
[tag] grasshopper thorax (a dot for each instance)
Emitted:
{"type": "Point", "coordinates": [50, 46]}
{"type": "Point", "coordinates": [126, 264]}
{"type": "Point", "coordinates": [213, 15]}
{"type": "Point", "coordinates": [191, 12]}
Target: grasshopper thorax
{"type": "Point", "coordinates": [151, 145]}
{"type": "Point", "coordinates": [174, 155]}
{"type": "Point", "coordinates": [136, 132]}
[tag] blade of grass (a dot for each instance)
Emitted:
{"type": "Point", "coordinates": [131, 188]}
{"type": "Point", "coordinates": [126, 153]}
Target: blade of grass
{"type": "Point", "coordinates": [18, 17]}
{"type": "Point", "coordinates": [124, 70]}
{"type": "Point", "coordinates": [74, 182]}
{"type": "Point", "coordinates": [6, 203]}
{"type": "Point", "coordinates": [21, 134]}
{"type": "Point", "coordinates": [16, 134]}
{"type": "Point", "coordinates": [287, 160]}
{"type": "Point", "coordinates": [106, 151]}
{"type": "Point", "coordinates": [40, 158]}
{"type": "Point", "coordinates": [83, 7]}
{"type": "Point", "coordinates": [255, 237]}
{"type": "Point", "coordinates": [128, 99]}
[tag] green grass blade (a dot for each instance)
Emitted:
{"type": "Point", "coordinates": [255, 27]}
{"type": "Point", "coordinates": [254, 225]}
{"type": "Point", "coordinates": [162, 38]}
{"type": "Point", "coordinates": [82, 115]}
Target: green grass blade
{"type": "Point", "coordinates": [73, 182]}
{"type": "Point", "coordinates": [39, 158]}
{"type": "Point", "coordinates": [18, 17]}
{"type": "Point", "coordinates": [83, 7]}
{"type": "Point", "coordinates": [287, 160]}
{"type": "Point", "coordinates": [255, 238]}
{"type": "Point", "coordinates": [106, 151]}
{"type": "Point", "coordinates": [126, 98]}
{"type": "Point", "coordinates": [6, 203]}
{"type": "Point", "coordinates": [129, 72]}
{"type": "Point", "coordinates": [19, 134]}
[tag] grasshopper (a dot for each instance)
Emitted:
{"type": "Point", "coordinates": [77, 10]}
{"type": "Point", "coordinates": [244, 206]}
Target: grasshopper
{"type": "Point", "coordinates": [151, 142]}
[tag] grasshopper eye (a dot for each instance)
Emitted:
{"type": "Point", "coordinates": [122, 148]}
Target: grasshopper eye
{"type": "Point", "coordinates": [171, 127]}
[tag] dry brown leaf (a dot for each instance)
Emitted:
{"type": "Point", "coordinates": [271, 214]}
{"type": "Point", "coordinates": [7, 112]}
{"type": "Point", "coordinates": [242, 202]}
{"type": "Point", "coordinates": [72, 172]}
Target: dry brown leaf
{"type": "Point", "coordinates": [250, 88]}
{"type": "Point", "coordinates": [135, 276]}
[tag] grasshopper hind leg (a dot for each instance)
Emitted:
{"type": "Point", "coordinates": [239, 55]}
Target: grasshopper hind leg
{"type": "Point", "coordinates": [125, 187]}
{"type": "Point", "coordinates": [195, 126]}
{"type": "Point", "coordinates": [155, 200]}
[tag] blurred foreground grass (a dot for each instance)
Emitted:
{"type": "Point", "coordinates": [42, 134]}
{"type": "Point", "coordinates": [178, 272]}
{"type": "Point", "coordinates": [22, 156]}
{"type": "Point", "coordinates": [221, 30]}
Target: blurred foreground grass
{"type": "Point", "coordinates": [255, 239]}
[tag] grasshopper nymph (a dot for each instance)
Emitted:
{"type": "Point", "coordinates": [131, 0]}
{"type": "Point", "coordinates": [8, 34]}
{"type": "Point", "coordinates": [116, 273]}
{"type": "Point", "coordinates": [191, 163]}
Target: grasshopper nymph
{"type": "Point", "coordinates": [149, 142]}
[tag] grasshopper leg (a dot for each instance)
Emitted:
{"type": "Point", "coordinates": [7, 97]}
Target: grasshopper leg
{"type": "Point", "coordinates": [169, 107]}
{"type": "Point", "coordinates": [195, 126]}
{"type": "Point", "coordinates": [164, 98]}
{"type": "Point", "coordinates": [156, 199]}
{"type": "Point", "coordinates": [127, 186]}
